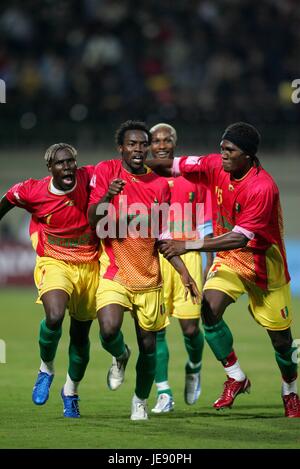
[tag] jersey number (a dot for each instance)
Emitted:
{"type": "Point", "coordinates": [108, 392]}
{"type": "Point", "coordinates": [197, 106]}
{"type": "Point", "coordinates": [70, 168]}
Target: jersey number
{"type": "Point", "coordinates": [218, 192]}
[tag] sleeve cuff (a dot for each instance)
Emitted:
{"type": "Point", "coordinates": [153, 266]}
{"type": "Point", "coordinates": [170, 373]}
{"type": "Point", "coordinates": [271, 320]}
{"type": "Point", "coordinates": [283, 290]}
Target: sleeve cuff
{"type": "Point", "coordinates": [243, 231]}
{"type": "Point", "coordinates": [205, 229]}
{"type": "Point", "coordinates": [175, 167]}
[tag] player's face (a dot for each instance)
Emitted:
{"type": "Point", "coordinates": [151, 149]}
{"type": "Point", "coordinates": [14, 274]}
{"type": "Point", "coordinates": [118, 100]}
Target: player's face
{"type": "Point", "coordinates": [63, 169]}
{"type": "Point", "coordinates": [234, 160]}
{"type": "Point", "coordinates": [134, 151]}
{"type": "Point", "coordinates": [163, 144]}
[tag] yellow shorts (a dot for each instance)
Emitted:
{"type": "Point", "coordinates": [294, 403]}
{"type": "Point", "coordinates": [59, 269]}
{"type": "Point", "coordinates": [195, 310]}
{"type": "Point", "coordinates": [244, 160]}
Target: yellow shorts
{"type": "Point", "coordinates": [79, 281]}
{"type": "Point", "coordinates": [271, 309]}
{"type": "Point", "coordinates": [173, 289]}
{"type": "Point", "coordinates": [146, 306]}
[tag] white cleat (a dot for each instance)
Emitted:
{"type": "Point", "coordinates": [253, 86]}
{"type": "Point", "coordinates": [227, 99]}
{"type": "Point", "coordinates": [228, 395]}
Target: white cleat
{"type": "Point", "coordinates": [192, 388]}
{"type": "Point", "coordinates": [139, 409]}
{"type": "Point", "coordinates": [116, 373]}
{"type": "Point", "coordinates": [164, 404]}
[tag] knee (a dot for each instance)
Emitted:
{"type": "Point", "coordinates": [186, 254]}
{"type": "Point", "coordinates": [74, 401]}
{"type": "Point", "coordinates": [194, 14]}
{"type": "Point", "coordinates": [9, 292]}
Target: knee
{"type": "Point", "coordinates": [210, 312]}
{"type": "Point", "coordinates": [108, 328]}
{"type": "Point", "coordinates": [54, 318]}
{"type": "Point", "coordinates": [190, 330]}
{"type": "Point", "coordinates": [148, 344]}
{"type": "Point", "coordinates": [281, 341]}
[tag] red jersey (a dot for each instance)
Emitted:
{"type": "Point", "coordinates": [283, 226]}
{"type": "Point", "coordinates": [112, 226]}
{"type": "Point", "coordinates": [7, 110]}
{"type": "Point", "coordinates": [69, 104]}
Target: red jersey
{"type": "Point", "coordinates": [131, 261]}
{"type": "Point", "coordinates": [190, 223]}
{"type": "Point", "coordinates": [250, 206]}
{"type": "Point", "coordinates": [59, 227]}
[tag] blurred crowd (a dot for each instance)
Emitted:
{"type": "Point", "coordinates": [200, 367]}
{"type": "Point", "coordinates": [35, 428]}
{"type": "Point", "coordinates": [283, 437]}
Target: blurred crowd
{"type": "Point", "coordinates": [191, 61]}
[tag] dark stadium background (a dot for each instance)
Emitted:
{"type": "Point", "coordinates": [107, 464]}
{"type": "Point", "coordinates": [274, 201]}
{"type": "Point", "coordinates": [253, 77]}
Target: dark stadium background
{"type": "Point", "coordinates": [74, 70]}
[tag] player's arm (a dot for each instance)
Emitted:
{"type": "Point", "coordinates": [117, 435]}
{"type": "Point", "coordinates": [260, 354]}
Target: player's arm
{"type": "Point", "coordinates": [225, 242]}
{"type": "Point", "coordinates": [5, 206]}
{"type": "Point", "coordinates": [161, 167]}
{"type": "Point", "coordinates": [188, 282]}
{"type": "Point", "coordinates": [97, 211]}
{"type": "Point", "coordinates": [209, 260]}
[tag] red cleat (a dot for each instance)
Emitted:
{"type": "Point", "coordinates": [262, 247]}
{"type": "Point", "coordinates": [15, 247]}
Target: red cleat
{"type": "Point", "coordinates": [291, 404]}
{"type": "Point", "coordinates": [231, 389]}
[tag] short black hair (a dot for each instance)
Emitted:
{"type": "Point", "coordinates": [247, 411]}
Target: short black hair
{"type": "Point", "coordinates": [131, 125]}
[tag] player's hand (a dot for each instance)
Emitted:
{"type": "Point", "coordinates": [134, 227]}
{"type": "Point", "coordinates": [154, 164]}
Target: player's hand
{"type": "Point", "coordinates": [116, 186]}
{"type": "Point", "coordinates": [171, 247]}
{"type": "Point", "coordinates": [190, 287]}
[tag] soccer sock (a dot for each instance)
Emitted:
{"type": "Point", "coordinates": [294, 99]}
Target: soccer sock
{"type": "Point", "coordinates": [232, 367]}
{"type": "Point", "coordinates": [162, 362]}
{"type": "Point", "coordinates": [145, 373]}
{"type": "Point", "coordinates": [48, 342]}
{"type": "Point", "coordinates": [115, 347]}
{"type": "Point", "coordinates": [288, 369]}
{"type": "Point", "coordinates": [138, 400]}
{"type": "Point", "coordinates": [194, 347]}
{"type": "Point", "coordinates": [70, 387]}
{"type": "Point", "coordinates": [289, 387]}
{"type": "Point", "coordinates": [220, 339]}
{"type": "Point", "coordinates": [47, 367]}
{"type": "Point", "coordinates": [79, 356]}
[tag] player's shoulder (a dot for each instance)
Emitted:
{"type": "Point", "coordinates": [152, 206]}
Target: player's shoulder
{"type": "Point", "coordinates": [264, 181]}
{"type": "Point", "coordinates": [108, 165]}
{"type": "Point", "coordinates": [181, 182]}
{"type": "Point", "coordinates": [161, 181]}
{"type": "Point", "coordinates": [35, 184]}
{"type": "Point", "coordinates": [86, 171]}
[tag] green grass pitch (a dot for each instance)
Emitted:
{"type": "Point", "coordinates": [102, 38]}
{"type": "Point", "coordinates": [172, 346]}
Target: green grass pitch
{"type": "Point", "coordinates": [255, 421]}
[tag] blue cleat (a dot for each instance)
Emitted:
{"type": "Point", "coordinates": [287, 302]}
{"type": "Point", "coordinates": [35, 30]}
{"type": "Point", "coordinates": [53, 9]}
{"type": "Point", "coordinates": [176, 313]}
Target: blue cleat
{"type": "Point", "coordinates": [40, 392]}
{"type": "Point", "coordinates": [71, 407]}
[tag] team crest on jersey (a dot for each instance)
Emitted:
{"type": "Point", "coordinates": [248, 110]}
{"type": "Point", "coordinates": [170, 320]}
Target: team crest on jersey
{"type": "Point", "coordinates": [171, 183]}
{"type": "Point", "coordinates": [191, 196]}
{"type": "Point", "coordinates": [237, 207]}
{"type": "Point", "coordinates": [284, 312]}
{"type": "Point", "coordinates": [230, 188]}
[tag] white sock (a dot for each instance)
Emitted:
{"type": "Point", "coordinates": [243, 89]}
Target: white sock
{"type": "Point", "coordinates": [235, 372]}
{"type": "Point", "coordinates": [138, 399]}
{"type": "Point", "coordinates": [162, 386]}
{"type": "Point", "coordinates": [70, 387]}
{"type": "Point", "coordinates": [287, 388]}
{"type": "Point", "coordinates": [47, 367]}
{"type": "Point", "coordinates": [192, 365]}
